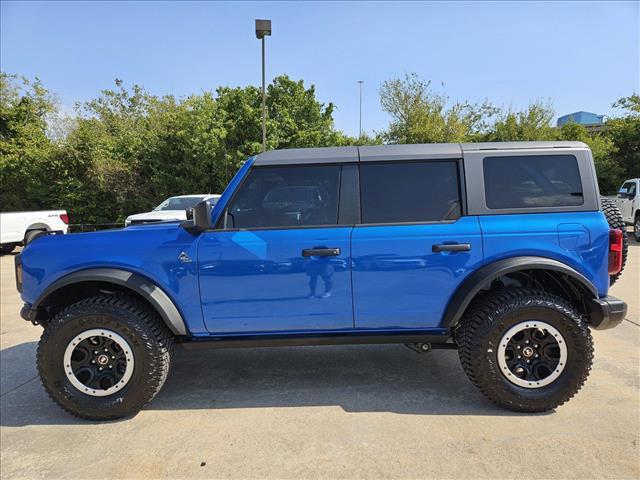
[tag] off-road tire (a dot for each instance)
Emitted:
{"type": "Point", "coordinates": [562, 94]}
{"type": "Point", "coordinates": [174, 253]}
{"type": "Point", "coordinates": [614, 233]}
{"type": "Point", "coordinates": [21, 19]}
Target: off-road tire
{"type": "Point", "coordinates": [7, 248]}
{"type": "Point", "coordinates": [636, 227]}
{"type": "Point", "coordinates": [488, 319]}
{"type": "Point", "coordinates": [615, 220]}
{"type": "Point", "coordinates": [150, 340]}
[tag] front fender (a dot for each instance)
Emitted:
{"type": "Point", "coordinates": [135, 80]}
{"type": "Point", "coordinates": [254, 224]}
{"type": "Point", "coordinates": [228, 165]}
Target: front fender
{"type": "Point", "coordinates": [133, 281]}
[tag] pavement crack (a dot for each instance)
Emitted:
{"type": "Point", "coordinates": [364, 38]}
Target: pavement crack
{"type": "Point", "coordinates": [16, 388]}
{"type": "Point", "coordinates": [631, 321]}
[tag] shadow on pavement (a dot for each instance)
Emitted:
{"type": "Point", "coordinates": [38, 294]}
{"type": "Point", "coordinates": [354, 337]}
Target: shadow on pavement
{"type": "Point", "coordinates": [389, 378]}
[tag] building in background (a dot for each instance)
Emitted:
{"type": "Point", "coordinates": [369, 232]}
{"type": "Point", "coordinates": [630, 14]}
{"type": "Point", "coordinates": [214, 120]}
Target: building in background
{"type": "Point", "coordinates": [592, 121]}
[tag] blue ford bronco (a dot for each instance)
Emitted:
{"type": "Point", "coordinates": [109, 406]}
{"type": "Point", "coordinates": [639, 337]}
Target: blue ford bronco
{"type": "Point", "coordinates": [503, 251]}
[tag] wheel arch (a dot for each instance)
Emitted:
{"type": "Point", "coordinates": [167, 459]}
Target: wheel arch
{"type": "Point", "coordinates": [81, 284]}
{"type": "Point", "coordinates": [570, 283]}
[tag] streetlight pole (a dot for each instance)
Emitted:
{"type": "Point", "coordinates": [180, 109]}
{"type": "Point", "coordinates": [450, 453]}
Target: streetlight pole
{"type": "Point", "coordinates": [264, 104]}
{"type": "Point", "coordinates": [360, 82]}
{"type": "Point", "coordinates": [263, 28]}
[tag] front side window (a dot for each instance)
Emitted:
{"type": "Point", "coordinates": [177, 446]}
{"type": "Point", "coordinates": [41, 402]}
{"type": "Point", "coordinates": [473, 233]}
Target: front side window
{"type": "Point", "coordinates": [629, 188]}
{"type": "Point", "coordinates": [532, 181]}
{"type": "Point", "coordinates": [407, 192]}
{"type": "Point", "coordinates": [287, 197]}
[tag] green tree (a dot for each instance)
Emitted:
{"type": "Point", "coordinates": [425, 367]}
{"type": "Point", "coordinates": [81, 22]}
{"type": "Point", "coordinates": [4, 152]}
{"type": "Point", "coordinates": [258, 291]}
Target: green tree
{"type": "Point", "coordinates": [532, 123]}
{"type": "Point", "coordinates": [24, 144]}
{"type": "Point", "coordinates": [624, 133]}
{"type": "Point", "coordinates": [420, 115]}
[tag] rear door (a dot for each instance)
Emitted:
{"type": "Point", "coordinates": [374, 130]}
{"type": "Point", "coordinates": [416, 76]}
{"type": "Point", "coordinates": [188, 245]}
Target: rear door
{"type": "Point", "coordinates": [414, 245]}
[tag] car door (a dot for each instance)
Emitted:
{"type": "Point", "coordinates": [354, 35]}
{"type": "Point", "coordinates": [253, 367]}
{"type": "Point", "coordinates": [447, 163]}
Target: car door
{"type": "Point", "coordinates": [625, 200]}
{"type": "Point", "coordinates": [413, 247]}
{"type": "Point", "coordinates": [282, 261]}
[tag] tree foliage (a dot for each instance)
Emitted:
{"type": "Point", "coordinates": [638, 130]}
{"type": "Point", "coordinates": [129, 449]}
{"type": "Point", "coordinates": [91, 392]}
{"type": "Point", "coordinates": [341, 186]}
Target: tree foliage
{"type": "Point", "coordinates": [419, 115]}
{"type": "Point", "coordinates": [126, 150]}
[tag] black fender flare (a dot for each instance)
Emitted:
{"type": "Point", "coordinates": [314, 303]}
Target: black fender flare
{"type": "Point", "coordinates": [483, 277]}
{"type": "Point", "coordinates": [139, 284]}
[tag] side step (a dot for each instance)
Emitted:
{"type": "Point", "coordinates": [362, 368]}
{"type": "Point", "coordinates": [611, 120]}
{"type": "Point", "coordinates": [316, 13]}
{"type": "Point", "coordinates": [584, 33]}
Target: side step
{"type": "Point", "coordinates": [435, 341]}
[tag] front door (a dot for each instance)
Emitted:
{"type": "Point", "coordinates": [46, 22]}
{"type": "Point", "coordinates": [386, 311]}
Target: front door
{"type": "Point", "coordinates": [413, 248]}
{"type": "Point", "coordinates": [282, 264]}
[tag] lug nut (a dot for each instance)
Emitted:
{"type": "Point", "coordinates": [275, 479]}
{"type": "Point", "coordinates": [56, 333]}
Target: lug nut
{"type": "Point", "coordinates": [112, 357]}
{"type": "Point", "coordinates": [110, 366]}
{"type": "Point", "coordinates": [535, 346]}
{"type": "Point", "coordinates": [518, 347]}
{"type": "Point", "coordinates": [536, 355]}
{"type": "Point", "coordinates": [95, 352]}
{"type": "Point", "coordinates": [93, 361]}
{"type": "Point", "coordinates": [100, 368]}
{"type": "Point", "coordinates": [528, 361]}
{"type": "Point", "coordinates": [519, 357]}
{"type": "Point", "coordinates": [526, 341]}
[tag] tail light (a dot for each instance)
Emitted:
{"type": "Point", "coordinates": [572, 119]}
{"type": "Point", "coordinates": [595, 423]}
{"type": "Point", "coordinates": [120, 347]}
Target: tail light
{"type": "Point", "coordinates": [65, 218]}
{"type": "Point", "coordinates": [615, 251]}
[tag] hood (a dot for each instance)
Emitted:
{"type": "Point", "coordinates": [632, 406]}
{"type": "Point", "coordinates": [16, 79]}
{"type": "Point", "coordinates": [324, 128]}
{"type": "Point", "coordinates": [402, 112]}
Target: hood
{"type": "Point", "coordinates": [157, 216]}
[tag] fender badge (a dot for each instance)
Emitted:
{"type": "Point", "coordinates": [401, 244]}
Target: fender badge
{"type": "Point", "coordinates": [184, 258]}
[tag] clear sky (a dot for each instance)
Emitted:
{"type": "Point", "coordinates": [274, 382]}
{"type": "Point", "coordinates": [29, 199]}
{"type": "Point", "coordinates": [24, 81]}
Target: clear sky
{"type": "Point", "coordinates": [578, 55]}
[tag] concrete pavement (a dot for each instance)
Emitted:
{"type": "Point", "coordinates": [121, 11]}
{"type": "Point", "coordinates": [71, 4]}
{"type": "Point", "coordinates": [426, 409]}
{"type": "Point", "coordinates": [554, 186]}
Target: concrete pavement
{"type": "Point", "coordinates": [325, 412]}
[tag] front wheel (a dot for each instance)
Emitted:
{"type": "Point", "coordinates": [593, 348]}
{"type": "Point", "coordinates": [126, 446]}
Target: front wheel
{"type": "Point", "coordinates": [526, 350]}
{"type": "Point", "coordinates": [636, 228]}
{"type": "Point", "coordinates": [104, 357]}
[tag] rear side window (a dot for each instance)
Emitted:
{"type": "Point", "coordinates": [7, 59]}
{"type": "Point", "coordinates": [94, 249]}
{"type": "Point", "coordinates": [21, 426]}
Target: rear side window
{"type": "Point", "coordinates": [400, 192]}
{"type": "Point", "coordinates": [532, 181]}
{"type": "Point", "coordinates": [287, 197]}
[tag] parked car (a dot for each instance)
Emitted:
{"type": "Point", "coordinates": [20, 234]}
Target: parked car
{"type": "Point", "coordinates": [172, 209]}
{"type": "Point", "coordinates": [20, 228]}
{"type": "Point", "coordinates": [628, 202]}
{"type": "Point", "coordinates": [502, 251]}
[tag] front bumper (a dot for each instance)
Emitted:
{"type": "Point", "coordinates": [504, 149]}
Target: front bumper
{"type": "Point", "coordinates": [607, 312]}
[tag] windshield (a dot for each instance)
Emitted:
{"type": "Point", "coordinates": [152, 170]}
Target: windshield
{"type": "Point", "coordinates": [179, 203]}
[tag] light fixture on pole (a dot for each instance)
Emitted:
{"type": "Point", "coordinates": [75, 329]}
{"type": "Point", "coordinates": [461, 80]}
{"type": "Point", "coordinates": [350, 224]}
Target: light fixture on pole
{"type": "Point", "coordinates": [263, 28]}
{"type": "Point", "coordinates": [360, 82]}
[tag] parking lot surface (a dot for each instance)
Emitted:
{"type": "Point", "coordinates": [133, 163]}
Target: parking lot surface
{"type": "Point", "coordinates": [325, 412]}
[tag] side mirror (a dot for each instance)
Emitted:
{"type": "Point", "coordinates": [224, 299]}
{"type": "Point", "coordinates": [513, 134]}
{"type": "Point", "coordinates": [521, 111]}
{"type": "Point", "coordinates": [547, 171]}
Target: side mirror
{"type": "Point", "coordinates": [198, 218]}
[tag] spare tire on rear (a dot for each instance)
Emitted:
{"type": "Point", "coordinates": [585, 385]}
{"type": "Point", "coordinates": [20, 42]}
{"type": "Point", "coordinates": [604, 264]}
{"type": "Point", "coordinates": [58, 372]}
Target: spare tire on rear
{"type": "Point", "coordinates": [615, 220]}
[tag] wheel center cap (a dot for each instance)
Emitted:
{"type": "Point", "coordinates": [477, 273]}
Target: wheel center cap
{"type": "Point", "coordinates": [527, 351]}
{"type": "Point", "coordinates": [102, 359]}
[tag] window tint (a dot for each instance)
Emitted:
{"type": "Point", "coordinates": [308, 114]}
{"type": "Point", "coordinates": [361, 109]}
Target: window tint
{"type": "Point", "coordinates": [532, 181]}
{"type": "Point", "coordinates": [287, 197]}
{"type": "Point", "coordinates": [628, 187]}
{"type": "Point", "coordinates": [399, 192]}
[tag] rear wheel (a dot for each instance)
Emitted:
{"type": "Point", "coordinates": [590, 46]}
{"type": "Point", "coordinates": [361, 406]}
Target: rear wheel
{"type": "Point", "coordinates": [104, 357]}
{"type": "Point", "coordinates": [636, 227]}
{"type": "Point", "coordinates": [526, 350]}
{"type": "Point", "coordinates": [615, 220]}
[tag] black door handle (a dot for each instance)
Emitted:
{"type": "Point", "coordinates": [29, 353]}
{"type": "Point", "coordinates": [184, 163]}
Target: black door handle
{"type": "Point", "coordinates": [451, 247]}
{"type": "Point", "coordinates": [320, 252]}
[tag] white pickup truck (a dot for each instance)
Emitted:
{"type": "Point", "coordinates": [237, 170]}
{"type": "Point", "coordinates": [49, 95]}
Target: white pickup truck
{"type": "Point", "coordinates": [628, 202]}
{"type": "Point", "coordinates": [19, 228]}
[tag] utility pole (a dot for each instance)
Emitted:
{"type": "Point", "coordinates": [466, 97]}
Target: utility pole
{"type": "Point", "coordinates": [360, 82]}
{"type": "Point", "coordinates": [263, 28]}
